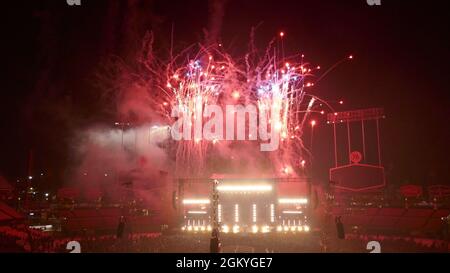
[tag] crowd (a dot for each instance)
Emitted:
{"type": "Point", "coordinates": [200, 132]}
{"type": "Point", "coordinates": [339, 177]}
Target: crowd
{"type": "Point", "coordinates": [22, 239]}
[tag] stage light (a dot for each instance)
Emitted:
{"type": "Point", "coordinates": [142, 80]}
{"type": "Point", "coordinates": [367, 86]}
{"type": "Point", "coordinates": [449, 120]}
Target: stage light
{"type": "Point", "coordinates": [203, 228]}
{"type": "Point", "coordinates": [300, 201]}
{"type": "Point", "coordinates": [286, 228]}
{"type": "Point", "coordinates": [244, 188]}
{"type": "Point", "coordinates": [300, 228]}
{"type": "Point", "coordinates": [272, 213]}
{"type": "Point", "coordinates": [306, 228]}
{"type": "Point", "coordinates": [197, 212]}
{"type": "Point", "coordinates": [293, 228]}
{"type": "Point", "coordinates": [196, 201]}
{"type": "Point", "coordinates": [255, 229]}
{"type": "Point", "coordinates": [189, 228]}
{"type": "Point", "coordinates": [209, 228]}
{"type": "Point", "coordinates": [279, 228]}
{"type": "Point", "coordinates": [292, 212]}
{"type": "Point", "coordinates": [225, 229]}
{"type": "Point", "coordinates": [235, 229]}
{"type": "Point", "coordinates": [265, 229]}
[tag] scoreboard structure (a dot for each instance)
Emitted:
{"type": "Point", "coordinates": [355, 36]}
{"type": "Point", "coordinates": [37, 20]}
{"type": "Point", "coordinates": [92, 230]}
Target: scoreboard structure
{"type": "Point", "coordinates": [361, 170]}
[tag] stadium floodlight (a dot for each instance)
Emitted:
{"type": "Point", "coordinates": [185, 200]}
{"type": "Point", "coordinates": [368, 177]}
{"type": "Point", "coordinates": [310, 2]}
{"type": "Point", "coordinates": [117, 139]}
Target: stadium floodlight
{"type": "Point", "coordinates": [244, 188]}
{"type": "Point", "coordinates": [196, 201]}
{"type": "Point", "coordinates": [299, 201]}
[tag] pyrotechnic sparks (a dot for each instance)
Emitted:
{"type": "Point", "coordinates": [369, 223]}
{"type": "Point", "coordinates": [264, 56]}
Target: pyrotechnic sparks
{"type": "Point", "coordinates": [196, 78]}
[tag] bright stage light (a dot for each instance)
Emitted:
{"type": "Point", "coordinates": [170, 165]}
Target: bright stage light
{"type": "Point", "coordinates": [189, 228]}
{"type": "Point", "coordinates": [197, 212]}
{"type": "Point", "coordinates": [272, 213]}
{"type": "Point", "coordinates": [244, 188]}
{"type": "Point", "coordinates": [225, 229]}
{"type": "Point", "coordinates": [254, 229]}
{"type": "Point", "coordinates": [236, 229]}
{"type": "Point", "coordinates": [196, 201]}
{"type": "Point", "coordinates": [292, 212]}
{"type": "Point", "coordinates": [265, 229]}
{"type": "Point", "coordinates": [208, 228]}
{"type": "Point", "coordinates": [292, 228]}
{"type": "Point", "coordinates": [300, 201]}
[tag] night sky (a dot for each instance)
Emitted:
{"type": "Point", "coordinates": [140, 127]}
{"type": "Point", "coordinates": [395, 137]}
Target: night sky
{"type": "Point", "coordinates": [401, 51]}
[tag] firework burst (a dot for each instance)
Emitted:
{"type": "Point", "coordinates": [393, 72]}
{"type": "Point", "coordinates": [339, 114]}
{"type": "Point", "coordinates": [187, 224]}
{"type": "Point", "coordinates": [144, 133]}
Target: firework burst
{"type": "Point", "coordinates": [199, 76]}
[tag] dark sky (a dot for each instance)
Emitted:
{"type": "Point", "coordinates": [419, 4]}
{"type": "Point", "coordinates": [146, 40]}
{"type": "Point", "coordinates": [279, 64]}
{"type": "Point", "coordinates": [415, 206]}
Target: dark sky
{"type": "Point", "coordinates": [401, 63]}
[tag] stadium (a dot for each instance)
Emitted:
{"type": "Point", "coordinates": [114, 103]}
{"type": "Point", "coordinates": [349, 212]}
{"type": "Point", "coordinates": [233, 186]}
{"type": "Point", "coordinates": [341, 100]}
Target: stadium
{"type": "Point", "coordinates": [224, 126]}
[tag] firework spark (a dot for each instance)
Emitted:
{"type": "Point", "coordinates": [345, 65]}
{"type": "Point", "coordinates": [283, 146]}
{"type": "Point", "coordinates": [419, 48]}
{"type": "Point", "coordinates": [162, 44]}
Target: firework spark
{"type": "Point", "coordinates": [200, 76]}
